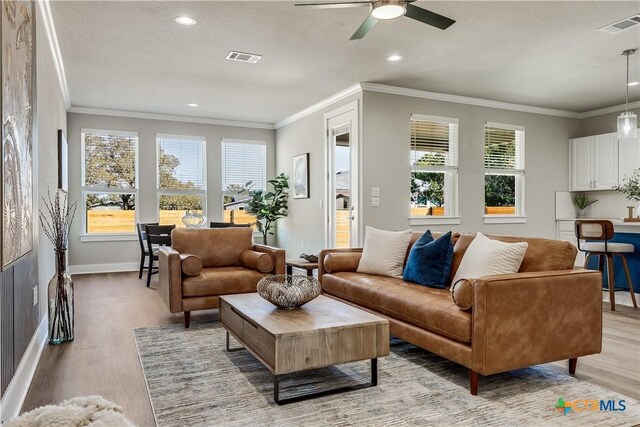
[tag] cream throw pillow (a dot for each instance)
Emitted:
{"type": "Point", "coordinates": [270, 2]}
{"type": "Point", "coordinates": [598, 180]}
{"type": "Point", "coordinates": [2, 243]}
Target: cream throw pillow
{"type": "Point", "coordinates": [384, 252]}
{"type": "Point", "coordinates": [486, 257]}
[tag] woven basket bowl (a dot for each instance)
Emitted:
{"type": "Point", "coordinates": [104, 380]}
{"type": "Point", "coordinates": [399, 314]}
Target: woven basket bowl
{"type": "Point", "coordinates": [288, 291]}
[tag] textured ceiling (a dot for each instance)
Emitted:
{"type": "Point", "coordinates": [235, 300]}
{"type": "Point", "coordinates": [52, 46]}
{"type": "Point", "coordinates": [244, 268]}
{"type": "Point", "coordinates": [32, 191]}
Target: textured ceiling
{"type": "Point", "coordinates": [133, 56]}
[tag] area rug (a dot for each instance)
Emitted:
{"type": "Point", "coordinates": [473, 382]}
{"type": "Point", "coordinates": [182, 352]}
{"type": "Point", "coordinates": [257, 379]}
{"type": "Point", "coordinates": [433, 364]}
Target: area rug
{"type": "Point", "coordinates": [91, 411]}
{"type": "Point", "coordinates": [193, 381]}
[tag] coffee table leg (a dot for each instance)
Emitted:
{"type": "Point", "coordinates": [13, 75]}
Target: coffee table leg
{"type": "Point", "coordinates": [232, 349]}
{"type": "Point", "coordinates": [277, 379]}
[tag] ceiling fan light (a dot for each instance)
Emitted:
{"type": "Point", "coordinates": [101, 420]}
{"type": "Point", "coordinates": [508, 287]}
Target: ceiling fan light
{"type": "Point", "coordinates": [627, 125]}
{"type": "Point", "coordinates": [388, 10]}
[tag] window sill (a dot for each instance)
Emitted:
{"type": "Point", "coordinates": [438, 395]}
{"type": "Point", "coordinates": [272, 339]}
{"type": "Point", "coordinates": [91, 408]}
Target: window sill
{"type": "Point", "coordinates": [435, 220]}
{"type": "Point", "coordinates": [108, 237]}
{"type": "Point", "coordinates": [505, 219]}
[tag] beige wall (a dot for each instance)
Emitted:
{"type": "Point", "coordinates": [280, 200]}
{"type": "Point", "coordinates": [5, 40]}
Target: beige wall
{"type": "Point", "coordinates": [385, 164]}
{"type": "Point", "coordinates": [51, 116]}
{"type": "Point", "coordinates": [605, 123]}
{"type": "Point", "coordinates": [303, 229]}
{"type": "Point", "coordinates": [126, 252]}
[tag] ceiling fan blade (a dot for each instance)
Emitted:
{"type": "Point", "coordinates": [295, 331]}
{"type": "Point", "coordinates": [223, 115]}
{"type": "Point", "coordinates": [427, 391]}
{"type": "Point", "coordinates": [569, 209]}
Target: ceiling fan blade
{"type": "Point", "coordinates": [427, 17]}
{"type": "Point", "coordinates": [337, 5]}
{"type": "Point", "coordinates": [364, 28]}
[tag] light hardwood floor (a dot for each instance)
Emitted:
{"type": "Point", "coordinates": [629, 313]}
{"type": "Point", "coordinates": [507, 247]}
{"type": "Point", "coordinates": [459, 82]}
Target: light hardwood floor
{"type": "Point", "coordinates": [103, 358]}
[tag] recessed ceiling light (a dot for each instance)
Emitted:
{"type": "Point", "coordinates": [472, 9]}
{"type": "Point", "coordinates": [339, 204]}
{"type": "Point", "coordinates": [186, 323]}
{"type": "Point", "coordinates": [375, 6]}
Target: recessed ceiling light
{"type": "Point", "coordinates": [633, 83]}
{"type": "Point", "coordinates": [185, 20]}
{"type": "Point", "coordinates": [192, 104]}
{"type": "Point", "coordinates": [394, 58]}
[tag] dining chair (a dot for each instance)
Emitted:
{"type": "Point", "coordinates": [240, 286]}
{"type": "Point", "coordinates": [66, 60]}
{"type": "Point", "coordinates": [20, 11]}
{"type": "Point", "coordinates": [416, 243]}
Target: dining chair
{"type": "Point", "coordinates": [157, 235]}
{"type": "Point", "coordinates": [142, 239]}
{"type": "Point", "coordinates": [597, 234]}
{"type": "Point", "coordinates": [227, 225]}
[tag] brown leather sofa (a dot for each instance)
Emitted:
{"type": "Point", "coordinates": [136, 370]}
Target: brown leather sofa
{"type": "Point", "coordinates": [548, 311]}
{"type": "Point", "coordinates": [203, 264]}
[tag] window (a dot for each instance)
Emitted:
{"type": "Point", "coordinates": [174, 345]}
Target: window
{"type": "Point", "coordinates": [109, 181]}
{"type": "Point", "coordinates": [504, 170]}
{"type": "Point", "coordinates": [434, 166]}
{"type": "Point", "coordinates": [243, 162]}
{"type": "Point", "coordinates": [181, 177]}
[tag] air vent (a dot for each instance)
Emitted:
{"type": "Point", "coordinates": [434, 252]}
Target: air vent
{"type": "Point", "coordinates": [621, 25]}
{"type": "Point", "coordinates": [243, 57]}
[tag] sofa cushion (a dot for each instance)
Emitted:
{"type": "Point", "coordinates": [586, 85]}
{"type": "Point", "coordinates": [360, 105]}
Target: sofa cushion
{"type": "Point", "coordinates": [462, 294]}
{"type": "Point", "coordinates": [384, 252]}
{"type": "Point", "coordinates": [216, 247]}
{"type": "Point", "coordinates": [341, 261]}
{"type": "Point", "coordinates": [428, 308]}
{"type": "Point", "coordinates": [191, 264]}
{"type": "Point", "coordinates": [487, 257]}
{"type": "Point", "coordinates": [429, 261]}
{"type": "Point", "coordinates": [258, 261]}
{"type": "Point", "coordinates": [221, 281]}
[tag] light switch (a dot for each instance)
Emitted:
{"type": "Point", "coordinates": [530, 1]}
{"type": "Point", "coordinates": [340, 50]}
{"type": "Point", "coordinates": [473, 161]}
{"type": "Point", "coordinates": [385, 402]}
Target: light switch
{"type": "Point", "coordinates": [375, 201]}
{"type": "Point", "coordinates": [375, 191]}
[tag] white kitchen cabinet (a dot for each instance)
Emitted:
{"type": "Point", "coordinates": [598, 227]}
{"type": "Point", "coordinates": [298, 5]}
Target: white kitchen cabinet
{"type": "Point", "coordinates": [594, 163]}
{"type": "Point", "coordinates": [582, 164]}
{"type": "Point", "coordinates": [566, 232]}
{"type": "Point", "coordinates": [605, 162]}
{"type": "Point", "coordinates": [629, 156]}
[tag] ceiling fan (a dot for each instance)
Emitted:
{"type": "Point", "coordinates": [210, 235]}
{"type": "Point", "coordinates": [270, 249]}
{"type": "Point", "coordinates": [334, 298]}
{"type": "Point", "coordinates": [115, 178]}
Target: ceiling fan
{"type": "Point", "coordinates": [386, 9]}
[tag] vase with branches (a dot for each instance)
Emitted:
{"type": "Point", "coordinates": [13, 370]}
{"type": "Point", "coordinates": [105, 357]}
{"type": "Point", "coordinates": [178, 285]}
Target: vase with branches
{"type": "Point", "coordinates": [56, 219]}
{"type": "Point", "coordinates": [268, 206]}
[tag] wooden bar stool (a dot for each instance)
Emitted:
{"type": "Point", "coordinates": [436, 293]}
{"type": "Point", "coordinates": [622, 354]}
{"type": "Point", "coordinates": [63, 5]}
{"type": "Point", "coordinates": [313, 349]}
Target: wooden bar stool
{"type": "Point", "coordinates": [598, 233]}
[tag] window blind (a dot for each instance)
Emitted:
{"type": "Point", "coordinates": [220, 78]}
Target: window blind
{"type": "Point", "coordinates": [180, 162]}
{"type": "Point", "coordinates": [503, 148]}
{"type": "Point", "coordinates": [243, 162]}
{"type": "Point", "coordinates": [433, 143]}
{"type": "Point", "coordinates": [110, 159]}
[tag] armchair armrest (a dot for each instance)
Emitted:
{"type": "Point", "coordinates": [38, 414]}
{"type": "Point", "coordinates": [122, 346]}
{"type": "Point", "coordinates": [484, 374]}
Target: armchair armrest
{"type": "Point", "coordinates": [170, 278]}
{"type": "Point", "coordinates": [335, 260]}
{"type": "Point", "coordinates": [526, 319]}
{"type": "Point", "coordinates": [277, 254]}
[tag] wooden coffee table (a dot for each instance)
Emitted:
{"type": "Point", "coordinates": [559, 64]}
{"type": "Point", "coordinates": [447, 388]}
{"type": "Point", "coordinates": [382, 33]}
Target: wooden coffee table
{"type": "Point", "coordinates": [323, 332]}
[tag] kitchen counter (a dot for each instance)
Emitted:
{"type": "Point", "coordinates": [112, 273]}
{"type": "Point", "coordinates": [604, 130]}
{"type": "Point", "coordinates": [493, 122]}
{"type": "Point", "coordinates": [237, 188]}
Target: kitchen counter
{"type": "Point", "coordinates": [619, 226]}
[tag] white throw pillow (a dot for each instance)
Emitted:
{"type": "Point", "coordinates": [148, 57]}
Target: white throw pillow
{"type": "Point", "coordinates": [384, 252]}
{"type": "Point", "coordinates": [486, 257]}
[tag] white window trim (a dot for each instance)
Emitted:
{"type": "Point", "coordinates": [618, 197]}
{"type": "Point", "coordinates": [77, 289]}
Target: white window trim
{"type": "Point", "coordinates": [450, 179]}
{"type": "Point", "coordinates": [182, 192]}
{"type": "Point", "coordinates": [519, 217]}
{"type": "Point", "coordinates": [106, 237]}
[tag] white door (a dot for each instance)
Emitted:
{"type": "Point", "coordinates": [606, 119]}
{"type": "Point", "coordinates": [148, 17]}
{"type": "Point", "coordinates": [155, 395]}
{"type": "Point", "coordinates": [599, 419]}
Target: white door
{"type": "Point", "coordinates": [341, 191]}
{"type": "Point", "coordinates": [582, 164]}
{"type": "Point", "coordinates": [605, 161]}
{"type": "Point", "coordinates": [629, 155]}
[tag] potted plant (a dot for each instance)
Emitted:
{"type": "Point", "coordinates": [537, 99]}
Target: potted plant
{"type": "Point", "coordinates": [582, 201]}
{"type": "Point", "coordinates": [269, 206]}
{"type": "Point", "coordinates": [631, 188]}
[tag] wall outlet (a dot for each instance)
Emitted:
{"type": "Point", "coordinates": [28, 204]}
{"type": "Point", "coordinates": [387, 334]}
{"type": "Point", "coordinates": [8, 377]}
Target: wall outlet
{"type": "Point", "coordinates": [302, 244]}
{"type": "Point", "coordinates": [320, 203]}
{"type": "Point", "coordinates": [375, 201]}
{"type": "Point", "coordinates": [375, 191]}
{"type": "Point", "coordinates": [35, 295]}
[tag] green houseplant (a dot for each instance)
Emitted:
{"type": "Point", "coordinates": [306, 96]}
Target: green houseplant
{"type": "Point", "coordinates": [269, 206]}
{"type": "Point", "coordinates": [631, 188]}
{"type": "Point", "coordinates": [582, 201]}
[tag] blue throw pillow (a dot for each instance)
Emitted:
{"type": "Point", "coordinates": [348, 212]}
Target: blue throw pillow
{"type": "Point", "coordinates": [429, 261]}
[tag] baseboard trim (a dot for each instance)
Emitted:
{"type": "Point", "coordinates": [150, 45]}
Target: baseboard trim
{"type": "Point", "coordinates": [622, 298]}
{"type": "Point", "coordinates": [103, 268]}
{"type": "Point", "coordinates": [19, 385]}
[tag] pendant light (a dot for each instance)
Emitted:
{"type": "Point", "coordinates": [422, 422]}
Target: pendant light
{"type": "Point", "coordinates": [627, 121]}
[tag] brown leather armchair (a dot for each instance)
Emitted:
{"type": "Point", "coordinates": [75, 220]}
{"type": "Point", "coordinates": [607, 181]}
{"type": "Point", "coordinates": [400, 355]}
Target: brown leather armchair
{"type": "Point", "coordinates": [203, 264]}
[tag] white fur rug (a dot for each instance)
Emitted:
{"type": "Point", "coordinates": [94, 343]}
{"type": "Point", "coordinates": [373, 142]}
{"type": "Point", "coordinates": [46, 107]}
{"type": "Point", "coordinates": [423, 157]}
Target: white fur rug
{"type": "Point", "coordinates": [94, 411]}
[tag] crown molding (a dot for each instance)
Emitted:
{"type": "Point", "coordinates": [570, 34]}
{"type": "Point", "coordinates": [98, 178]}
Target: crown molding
{"type": "Point", "coordinates": [50, 30]}
{"type": "Point", "coordinates": [479, 102]}
{"type": "Point", "coordinates": [320, 105]}
{"type": "Point", "coordinates": [607, 110]}
{"type": "Point", "coordinates": [168, 117]}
